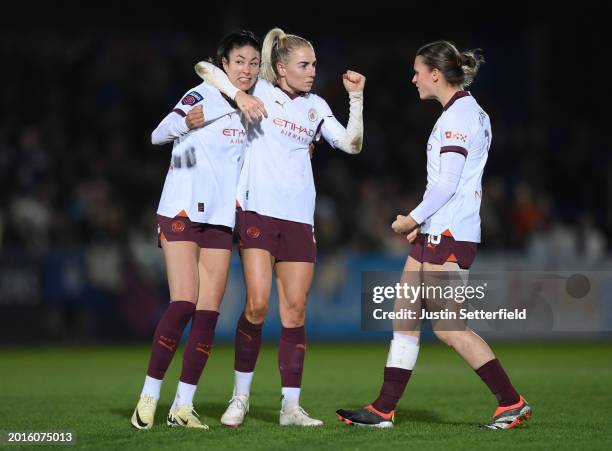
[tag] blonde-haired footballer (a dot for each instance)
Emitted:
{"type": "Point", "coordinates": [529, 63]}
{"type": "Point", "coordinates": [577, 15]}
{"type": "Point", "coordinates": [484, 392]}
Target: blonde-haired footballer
{"type": "Point", "coordinates": [276, 194]}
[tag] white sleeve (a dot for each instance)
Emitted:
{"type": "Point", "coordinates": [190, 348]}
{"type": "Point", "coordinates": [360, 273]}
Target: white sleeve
{"type": "Point", "coordinates": [349, 139]}
{"type": "Point", "coordinates": [455, 133]}
{"type": "Point", "coordinates": [451, 167]}
{"type": "Point", "coordinates": [214, 76]}
{"type": "Point", "coordinates": [171, 127]}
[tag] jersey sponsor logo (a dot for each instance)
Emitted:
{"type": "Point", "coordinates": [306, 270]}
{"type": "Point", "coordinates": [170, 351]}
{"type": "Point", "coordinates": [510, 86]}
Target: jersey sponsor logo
{"type": "Point", "coordinates": [200, 206]}
{"type": "Point", "coordinates": [295, 131]}
{"type": "Point", "coordinates": [455, 135]}
{"type": "Point", "coordinates": [238, 135]}
{"type": "Point", "coordinates": [279, 103]}
{"type": "Point", "coordinates": [234, 132]}
{"type": "Point", "coordinates": [292, 126]}
{"type": "Point", "coordinates": [178, 226]}
{"type": "Point", "coordinates": [192, 98]}
{"type": "Point", "coordinates": [253, 232]}
{"type": "Point", "coordinates": [313, 115]}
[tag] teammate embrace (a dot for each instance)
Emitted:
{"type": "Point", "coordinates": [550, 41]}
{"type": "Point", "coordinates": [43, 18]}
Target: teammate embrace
{"type": "Point", "coordinates": [260, 165]}
{"type": "Point", "coordinates": [275, 192]}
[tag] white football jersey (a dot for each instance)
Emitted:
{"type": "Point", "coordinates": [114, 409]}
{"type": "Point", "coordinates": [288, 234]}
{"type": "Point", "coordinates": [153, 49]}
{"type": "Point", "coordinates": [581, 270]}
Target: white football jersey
{"type": "Point", "coordinates": [276, 179]}
{"type": "Point", "coordinates": [464, 128]}
{"type": "Point", "coordinates": [205, 163]}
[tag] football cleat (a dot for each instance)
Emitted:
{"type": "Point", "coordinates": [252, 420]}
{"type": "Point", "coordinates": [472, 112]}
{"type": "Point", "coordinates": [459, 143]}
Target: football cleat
{"type": "Point", "coordinates": [296, 416]}
{"type": "Point", "coordinates": [509, 417]}
{"type": "Point", "coordinates": [144, 413]}
{"type": "Point", "coordinates": [236, 411]}
{"type": "Point", "coordinates": [369, 416]}
{"type": "Point", "coordinates": [184, 416]}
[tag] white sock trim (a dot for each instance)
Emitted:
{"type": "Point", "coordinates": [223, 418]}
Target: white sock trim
{"type": "Point", "coordinates": [151, 387]}
{"type": "Point", "coordinates": [291, 396]}
{"type": "Point", "coordinates": [242, 383]}
{"type": "Point", "coordinates": [403, 353]}
{"type": "Point", "coordinates": [184, 394]}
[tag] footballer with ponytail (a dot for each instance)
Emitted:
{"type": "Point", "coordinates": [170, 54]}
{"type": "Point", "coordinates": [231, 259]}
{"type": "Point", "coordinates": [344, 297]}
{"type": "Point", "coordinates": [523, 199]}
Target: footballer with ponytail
{"type": "Point", "coordinates": [276, 194]}
{"type": "Point", "coordinates": [444, 229]}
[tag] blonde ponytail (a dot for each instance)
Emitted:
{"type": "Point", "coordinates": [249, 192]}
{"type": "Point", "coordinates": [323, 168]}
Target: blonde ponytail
{"type": "Point", "coordinates": [272, 42]}
{"type": "Point", "coordinates": [277, 46]}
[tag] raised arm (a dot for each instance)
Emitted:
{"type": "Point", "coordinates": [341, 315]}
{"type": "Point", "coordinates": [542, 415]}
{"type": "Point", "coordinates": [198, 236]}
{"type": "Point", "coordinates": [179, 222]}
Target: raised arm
{"type": "Point", "coordinates": [349, 139]}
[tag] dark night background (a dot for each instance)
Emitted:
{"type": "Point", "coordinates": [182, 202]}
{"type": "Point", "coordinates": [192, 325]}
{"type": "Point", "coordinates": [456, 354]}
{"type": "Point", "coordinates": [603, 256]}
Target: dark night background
{"type": "Point", "coordinates": [81, 92]}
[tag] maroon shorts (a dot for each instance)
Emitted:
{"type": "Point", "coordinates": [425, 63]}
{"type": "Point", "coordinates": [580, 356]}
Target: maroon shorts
{"type": "Point", "coordinates": [439, 249]}
{"type": "Point", "coordinates": [286, 240]}
{"type": "Point", "coordinates": [181, 228]}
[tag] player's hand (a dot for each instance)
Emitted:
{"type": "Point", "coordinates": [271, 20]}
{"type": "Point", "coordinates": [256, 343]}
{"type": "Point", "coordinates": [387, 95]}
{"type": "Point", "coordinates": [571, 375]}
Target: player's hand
{"type": "Point", "coordinates": [195, 117]}
{"type": "Point", "coordinates": [412, 235]}
{"type": "Point", "coordinates": [353, 81]}
{"type": "Point", "coordinates": [403, 225]}
{"type": "Point", "coordinates": [311, 149]}
{"type": "Point", "coordinates": [251, 107]}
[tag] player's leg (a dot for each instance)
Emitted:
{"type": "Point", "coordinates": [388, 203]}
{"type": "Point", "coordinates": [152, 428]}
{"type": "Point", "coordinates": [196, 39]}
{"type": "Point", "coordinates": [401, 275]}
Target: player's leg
{"type": "Point", "coordinates": [182, 268]}
{"type": "Point", "coordinates": [213, 268]}
{"type": "Point", "coordinates": [403, 353]}
{"type": "Point", "coordinates": [293, 280]}
{"type": "Point", "coordinates": [512, 408]}
{"type": "Point", "coordinates": [257, 268]}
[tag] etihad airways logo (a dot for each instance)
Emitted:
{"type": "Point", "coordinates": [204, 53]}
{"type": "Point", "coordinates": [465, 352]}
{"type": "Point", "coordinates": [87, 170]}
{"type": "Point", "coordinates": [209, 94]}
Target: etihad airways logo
{"type": "Point", "coordinates": [240, 132]}
{"type": "Point", "coordinates": [297, 129]}
{"type": "Point", "coordinates": [238, 135]}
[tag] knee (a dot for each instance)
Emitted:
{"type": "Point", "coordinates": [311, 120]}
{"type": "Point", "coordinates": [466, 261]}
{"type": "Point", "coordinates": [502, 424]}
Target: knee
{"type": "Point", "coordinates": [256, 309]}
{"type": "Point", "coordinates": [296, 305]}
{"type": "Point", "coordinates": [294, 312]}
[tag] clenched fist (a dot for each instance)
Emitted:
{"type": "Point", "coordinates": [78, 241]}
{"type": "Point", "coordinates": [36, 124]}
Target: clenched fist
{"type": "Point", "coordinates": [353, 81]}
{"type": "Point", "coordinates": [403, 225]}
{"type": "Point", "coordinates": [195, 117]}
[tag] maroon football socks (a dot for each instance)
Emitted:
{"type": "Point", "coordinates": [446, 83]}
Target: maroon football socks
{"type": "Point", "coordinates": [291, 352]}
{"type": "Point", "coordinates": [167, 336]}
{"type": "Point", "coordinates": [498, 382]}
{"type": "Point", "coordinates": [394, 384]}
{"type": "Point", "coordinates": [199, 345]}
{"type": "Point", "coordinates": [247, 345]}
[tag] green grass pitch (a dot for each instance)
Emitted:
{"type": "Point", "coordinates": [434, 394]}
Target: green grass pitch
{"type": "Point", "coordinates": [92, 392]}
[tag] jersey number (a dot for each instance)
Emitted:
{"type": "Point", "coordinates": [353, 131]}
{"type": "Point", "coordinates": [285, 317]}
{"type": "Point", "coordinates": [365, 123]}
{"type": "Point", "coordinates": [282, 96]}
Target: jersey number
{"type": "Point", "coordinates": [434, 239]}
{"type": "Point", "coordinates": [186, 159]}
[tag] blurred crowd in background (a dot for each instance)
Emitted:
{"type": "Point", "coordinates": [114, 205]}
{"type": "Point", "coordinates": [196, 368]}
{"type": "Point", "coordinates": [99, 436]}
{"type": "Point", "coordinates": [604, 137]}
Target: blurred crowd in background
{"type": "Point", "coordinates": [78, 171]}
